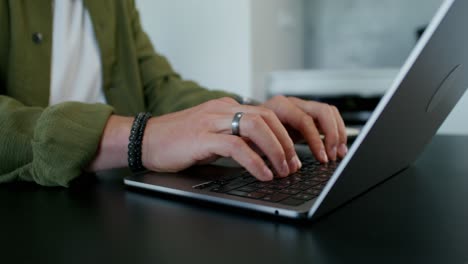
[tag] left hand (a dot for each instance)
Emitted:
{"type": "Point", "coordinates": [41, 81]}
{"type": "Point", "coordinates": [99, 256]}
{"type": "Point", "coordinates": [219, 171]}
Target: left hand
{"type": "Point", "coordinates": [309, 119]}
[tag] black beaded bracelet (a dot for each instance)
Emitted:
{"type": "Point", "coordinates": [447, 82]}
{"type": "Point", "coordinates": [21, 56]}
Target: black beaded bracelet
{"type": "Point", "coordinates": [135, 141]}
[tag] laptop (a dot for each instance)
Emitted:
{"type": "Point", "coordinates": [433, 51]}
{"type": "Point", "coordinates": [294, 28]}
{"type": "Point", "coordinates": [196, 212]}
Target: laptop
{"type": "Point", "coordinates": [430, 83]}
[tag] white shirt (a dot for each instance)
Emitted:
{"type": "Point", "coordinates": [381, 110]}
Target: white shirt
{"type": "Point", "coordinates": [76, 71]}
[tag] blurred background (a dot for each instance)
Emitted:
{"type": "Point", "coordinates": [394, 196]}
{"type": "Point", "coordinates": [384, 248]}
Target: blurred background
{"type": "Point", "coordinates": [342, 51]}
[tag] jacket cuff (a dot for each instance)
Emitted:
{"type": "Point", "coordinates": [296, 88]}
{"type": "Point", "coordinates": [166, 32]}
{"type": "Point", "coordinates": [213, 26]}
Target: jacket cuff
{"type": "Point", "coordinates": [65, 141]}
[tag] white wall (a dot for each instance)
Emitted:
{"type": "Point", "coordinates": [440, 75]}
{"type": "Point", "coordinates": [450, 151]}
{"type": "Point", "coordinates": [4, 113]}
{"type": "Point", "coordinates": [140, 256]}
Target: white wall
{"type": "Point", "coordinates": [277, 39]}
{"type": "Point", "coordinates": [227, 44]}
{"type": "Point", "coordinates": [207, 41]}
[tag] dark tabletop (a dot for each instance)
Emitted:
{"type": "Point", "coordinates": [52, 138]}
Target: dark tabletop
{"type": "Point", "coordinates": [418, 216]}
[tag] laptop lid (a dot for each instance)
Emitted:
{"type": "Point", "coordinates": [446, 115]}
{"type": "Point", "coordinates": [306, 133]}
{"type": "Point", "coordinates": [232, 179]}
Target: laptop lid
{"type": "Point", "coordinates": [433, 79]}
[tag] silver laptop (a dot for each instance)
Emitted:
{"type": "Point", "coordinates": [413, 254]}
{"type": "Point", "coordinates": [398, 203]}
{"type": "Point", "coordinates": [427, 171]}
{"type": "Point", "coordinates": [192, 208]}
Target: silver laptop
{"type": "Point", "coordinates": [433, 79]}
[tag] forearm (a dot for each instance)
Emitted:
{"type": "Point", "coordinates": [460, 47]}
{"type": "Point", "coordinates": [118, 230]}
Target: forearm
{"type": "Point", "coordinates": [49, 146]}
{"type": "Point", "coordinates": [112, 151]}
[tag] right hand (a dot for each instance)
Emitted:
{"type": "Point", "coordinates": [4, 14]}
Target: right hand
{"type": "Point", "coordinates": [179, 140]}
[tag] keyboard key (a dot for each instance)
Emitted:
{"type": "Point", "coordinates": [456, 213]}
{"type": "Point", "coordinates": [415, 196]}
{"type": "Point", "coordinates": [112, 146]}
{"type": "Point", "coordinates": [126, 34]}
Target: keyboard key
{"type": "Point", "coordinates": [275, 197]}
{"type": "Point", "coordinates": [256, 195]}
{"type": "Point", "coordinates": [232, 186]}
{"type": "Point", "coordinates": [246, 175]}
{"type": "Point", "coordinates": [291, 191]}
{"type": "Point", "coordinates": [303, 196]}
{"type": "Point", "coordinates": [312, 182]}
{"type": "Point", "coordinates": [292, 202]}
{"type": "Point", "coordinates": [259, 184]}
{"type": "Point", "coordinates": [228, 178]}
{"type": "Point", "coordinates": [267, 191]}
{"type": "Point", "coordinates": [295, 179]}
{"type": "Point", "coordinates": [320, 186]}
{"type": "Point", "coordinates": [301, 186]}
{"type": "Point", "coordinates": [248, 179]}
{"type": "Point", "coordinates": [278, 186]}
{"type": "Point", "coordinates": [248, 189]}
{"type": "Point", "coordinates": [286, 181]}
{"type": "Point", "coordinates": [239, 193]}
{"type": "Point", "coordinates": [314, 192]}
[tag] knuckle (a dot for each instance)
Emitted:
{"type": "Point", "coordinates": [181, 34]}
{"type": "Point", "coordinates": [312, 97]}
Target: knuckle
{"type": "Point", "coordinates": [207, 122]}
{"type": "Point", "coordinates": [280, 98]}
{"type": "Point", "coordinates": [257, 119]}
{"type": "Point", "coordinates": [228, 100]}
{"type": "Point", "coordinates": [290, 147]}
{"type": "Point", "coordinates": [269, 114]}
{"type": "Point", "coordinates": [278, 154]}
{"type": "Point", "coordinates": [234, 144]}
{"type": "Point", "coordinates": [317, 146]}
{"type": "Point", "coordinates": [254, 122]}
{"type": "Point", "coordinates": [324, 109]}
{"type": "Point", "coordinates": [254, 162]}
{"type": "Point", "coordinates": [218, 103]}
{"type": "Point", "coordinates": [210, 104]}
{"type": "Point", "coordinates": [266, 113]}
{"type": "Point", "coordinates": [334, 108]}
{"type": "Point", "coordinates": [306, 121]}
{"type": "Point", "coordinates": [332, 137]}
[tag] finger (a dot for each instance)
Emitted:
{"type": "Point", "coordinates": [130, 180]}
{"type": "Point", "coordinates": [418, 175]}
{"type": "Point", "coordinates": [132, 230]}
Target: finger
{"type": "Point", "coordinates": [235, 148]}
{"type": "Point", "coordinates": [254, 127]}
{"type": "Point", "coordinates": [343, 137]}
{"type": "Point", "coordinates": [281, 134]}
{"type": "Point", "coordinates": [325, 117]}
{"type": "Point", "coordinates": [296, 118]}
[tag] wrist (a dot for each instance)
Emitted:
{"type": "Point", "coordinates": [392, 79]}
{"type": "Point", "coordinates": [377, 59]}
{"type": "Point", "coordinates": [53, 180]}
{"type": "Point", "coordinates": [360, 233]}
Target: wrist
{"type": "Point", "coordinates": [147, 152]}
{"type": "Point", "coordinates": [112, 150]}
{"type": "Point", "coordinates": [135, 144]}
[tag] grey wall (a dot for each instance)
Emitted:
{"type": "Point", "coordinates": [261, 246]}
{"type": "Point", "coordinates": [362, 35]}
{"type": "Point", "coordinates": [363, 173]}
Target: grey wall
{"type": "Point", "coordinates": [367, 34]}
{"type": "Point", "coordinates": [363, 33]}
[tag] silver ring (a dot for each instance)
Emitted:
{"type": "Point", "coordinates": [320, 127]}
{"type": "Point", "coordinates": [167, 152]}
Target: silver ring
{"type": "Point", "coordinates": [236, 123]}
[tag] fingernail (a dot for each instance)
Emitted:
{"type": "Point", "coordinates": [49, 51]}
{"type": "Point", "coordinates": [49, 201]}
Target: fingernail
{"type": "Point", "coordinates": [284, 168]}
{"type": "Point", "coordinates": [343, 150]}
{"type": "Point", "coordinates": [298, 162]}
{"type": "Point", "coordinates": [267, 174]}
{"type": "Point", "coordinates": [294, 164]}
{"type": "Point", "coordinates": [334, 150]}
{"type": "Point", "coordinates": [323, 156]}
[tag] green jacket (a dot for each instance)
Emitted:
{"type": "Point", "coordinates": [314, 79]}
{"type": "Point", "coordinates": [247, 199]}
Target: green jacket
{"type": "Point", "coordinates": [51, 145]}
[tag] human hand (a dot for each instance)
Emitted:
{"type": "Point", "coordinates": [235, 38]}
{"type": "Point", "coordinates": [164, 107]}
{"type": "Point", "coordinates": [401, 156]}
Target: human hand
{"type": "Point", "coordinates": [307, 119]}
{"type": "Point", "coordinates": [203, 133]}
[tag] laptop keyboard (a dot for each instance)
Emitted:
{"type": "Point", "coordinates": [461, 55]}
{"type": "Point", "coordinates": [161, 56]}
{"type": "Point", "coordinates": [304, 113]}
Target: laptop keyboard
{"type": "Point", "coordinates": [294, 190]}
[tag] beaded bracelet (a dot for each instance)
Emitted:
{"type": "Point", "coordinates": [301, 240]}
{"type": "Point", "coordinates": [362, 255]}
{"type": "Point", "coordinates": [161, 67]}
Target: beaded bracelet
{"type": "Point", "coordinates": [135, 141]}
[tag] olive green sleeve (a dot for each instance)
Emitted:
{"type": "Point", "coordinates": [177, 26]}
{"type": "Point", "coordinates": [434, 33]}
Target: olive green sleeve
{"type": "Point", "coordinates": [49, 146]}
{"type": "Point", "coordinates": [164, 89]}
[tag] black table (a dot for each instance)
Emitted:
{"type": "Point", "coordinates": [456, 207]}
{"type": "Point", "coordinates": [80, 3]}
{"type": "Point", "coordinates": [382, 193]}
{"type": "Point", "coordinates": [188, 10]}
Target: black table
{"type": "Point", "coordinates": [419, 216]}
